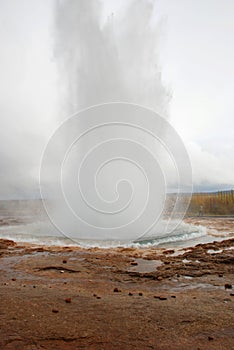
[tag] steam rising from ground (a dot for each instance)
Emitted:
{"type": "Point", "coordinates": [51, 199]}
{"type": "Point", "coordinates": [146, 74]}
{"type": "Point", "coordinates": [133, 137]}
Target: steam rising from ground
{"type": "Point", "coordinates": [108, 59]}
{"type": "Point", "coordinates": [105, 167]}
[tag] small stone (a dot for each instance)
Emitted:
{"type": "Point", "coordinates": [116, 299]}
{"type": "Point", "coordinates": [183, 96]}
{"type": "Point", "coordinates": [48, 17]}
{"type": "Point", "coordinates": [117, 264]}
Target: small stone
{"type": "Point", "coordinates": [117, 290]}
{"type": "Point", "coordinates": [94, 295]}
{"type": "Point", "coordinates": [220, 275]}
{"type": "Point", "coordinates": [68, 300]}
{"type": "Point", "coordinates": [232, 294]}
{"type": "Point", "coordinates": [160, 297]}
{"type": "Point", "coordinates": [210, 338]}
{"type": "Point", "coordinates": [34, 286]}
{"type": "Point", "coordinates": [228, 286]}
{"type": "Point", "coordinates": [64, 282]}
{"type": "Point", "coordinates": [98, 297]}
{"type": "Point", "coordinates": [140, 294]}
{"type": "Point", "coordinates": [134, 263]}
{"type": "Point", "coordinates": [130, 294]}
{"type": "Point", "coordinates": [55, 311]}
{"type": "Point", "coordinates": [159, 278]}
{"type": "Point", "coordinates": [173, 296]}
{"type": "Point", "coordinates": [62, 271]}
{"type": "Point", "coordinates": [13, 279]}
{"type": "Point", "coordinates": [64, 261]}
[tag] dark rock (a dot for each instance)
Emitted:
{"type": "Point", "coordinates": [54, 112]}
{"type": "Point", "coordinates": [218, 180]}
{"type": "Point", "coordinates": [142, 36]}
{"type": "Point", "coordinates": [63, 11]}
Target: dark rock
{"type": "Point", "coordinates": [55, 311]}
{"type": "Point", "coordinates": [228, 286]}
{"type": "Point", "coordinates": [160, 297]}
{"type": "Point", "coordinates": [117, 290]}
{"type": "Point", "coordinates": [68, 300]}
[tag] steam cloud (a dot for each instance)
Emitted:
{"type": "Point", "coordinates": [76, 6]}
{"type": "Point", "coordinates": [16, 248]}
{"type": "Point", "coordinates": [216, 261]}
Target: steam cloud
{"type": "Point", "coordinates": [105, 60]}
{"type": "Point", "coordinates": [106, 167]}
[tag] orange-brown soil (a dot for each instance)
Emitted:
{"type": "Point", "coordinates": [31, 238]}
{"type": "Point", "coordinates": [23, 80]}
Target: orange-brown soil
{"type": "Point", "coordinates": [122, 298]}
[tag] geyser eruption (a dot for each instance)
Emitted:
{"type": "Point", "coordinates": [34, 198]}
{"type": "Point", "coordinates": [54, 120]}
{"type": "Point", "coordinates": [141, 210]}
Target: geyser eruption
{"type": "Point", "coordinates": [111, 59]}
{"type": "Point", "coordinates": [106, 170]}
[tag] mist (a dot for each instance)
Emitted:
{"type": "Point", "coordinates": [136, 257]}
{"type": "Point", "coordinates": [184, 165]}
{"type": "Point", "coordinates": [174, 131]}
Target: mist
{"type": "Point", "coordinates": [38, 91]}
{"type": "Point", "coordinates": [102, 60]}
{"type": "Point", "coordinates": [108, 59]}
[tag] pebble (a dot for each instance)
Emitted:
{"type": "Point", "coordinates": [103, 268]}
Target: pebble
{"type": "Point", "coordinates": [210, 338]}
{"type": "Point", "coordinates": [160, 297]}
{"type": "Point", "coordinates": [130, 294]}
{"type": "Point", "coordinates": [228, 286]}
{"type": "Point", "coordinates": [55, 311]}
{"type": "Point", "coordinates": [64, 261]}
{"type": "Point", "coordinates": [117, 290]}
{"type": "Point", "coordinates": [140, 294]}
{"type": "Point", "coordinates": [68, 300]}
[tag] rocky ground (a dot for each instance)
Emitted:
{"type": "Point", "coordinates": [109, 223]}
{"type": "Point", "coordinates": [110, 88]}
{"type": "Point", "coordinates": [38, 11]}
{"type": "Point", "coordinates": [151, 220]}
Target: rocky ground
{"type": "Point", "coordinates": [122, 298]}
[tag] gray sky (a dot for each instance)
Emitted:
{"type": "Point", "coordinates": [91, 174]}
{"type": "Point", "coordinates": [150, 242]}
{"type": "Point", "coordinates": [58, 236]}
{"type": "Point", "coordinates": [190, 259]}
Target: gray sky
{"type": "Point", "coordinates": [197, 55]}
{"type": "Point", "coordinates": [197, 62]}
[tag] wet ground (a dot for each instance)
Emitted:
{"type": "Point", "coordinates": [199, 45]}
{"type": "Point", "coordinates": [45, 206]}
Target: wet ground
{"type": "Point", "coordinates": [122, 298]}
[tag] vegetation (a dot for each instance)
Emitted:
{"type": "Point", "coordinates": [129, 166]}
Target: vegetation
{"type": "Point", "coordinates": [212, 203]}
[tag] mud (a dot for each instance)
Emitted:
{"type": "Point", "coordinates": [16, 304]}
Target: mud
{"type": "Point", "coordinates": [76, 298]}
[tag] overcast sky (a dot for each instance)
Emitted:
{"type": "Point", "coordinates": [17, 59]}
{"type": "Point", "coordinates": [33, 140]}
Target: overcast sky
{"type": "Point", "coordinates": [196, 55]}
